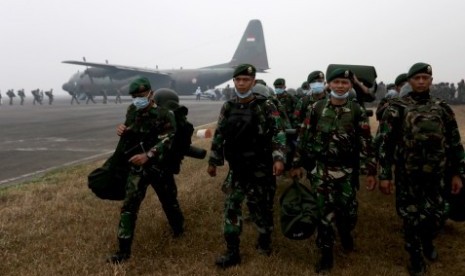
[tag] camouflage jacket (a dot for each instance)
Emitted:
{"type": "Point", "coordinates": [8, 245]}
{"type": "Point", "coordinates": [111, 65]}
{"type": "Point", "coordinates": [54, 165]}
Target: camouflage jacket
{"type": "Point", "coordinates": [154, 128]}
{"type": "Point", "coordinates": [338, 136]}
{"type": "Point", "coordinates": [301, 109]}
{"type": "Point", "coordinates": [288, 101]}
{"type": "Point", "coordinates": [270, 125]}
{"type": "Point", "coordinates": [395, 143]}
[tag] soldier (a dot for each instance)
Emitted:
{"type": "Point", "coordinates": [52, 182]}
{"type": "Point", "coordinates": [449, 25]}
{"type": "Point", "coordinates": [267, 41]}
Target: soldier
{"type": "Point", "coordinates": [248, 136]}
{"type": "Point", "coordinates": [151, 129]}
{"type": "Point", "coordinates": [90, 97]}
{"type": "Point", "coordinates": [21, 96]}
{"type": "Point", "coordinates": [36, 96]}
{"type": "Point", "coordinates": [50, 96]}
{"type": "Point", "coordinates": [399, 82]}
{"type": "Point", "coordinates": [288, 102]}
{"type": "Point", "coordinates": [419, 135]}
{"type": "Point", "coordinates": [1, 100]}
{"type": "Point", "coordinates": [118, 96]}
{"type": "Point", "coordinates": [11, 95]}
{"type": "Point", "coordinates": [334, 134]}
{"type": "Point", "coordinates": [198, 93]}
{"type": "Point", "coordinates": [104, 95]}
{"type": "Point", "coordinates": [74, 97]}
{"type": "Point", "coordinates": [316, 84]}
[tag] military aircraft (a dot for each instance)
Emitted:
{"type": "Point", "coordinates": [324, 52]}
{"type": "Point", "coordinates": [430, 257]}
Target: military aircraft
{"type": "Point", "coordinates": [110, 78]}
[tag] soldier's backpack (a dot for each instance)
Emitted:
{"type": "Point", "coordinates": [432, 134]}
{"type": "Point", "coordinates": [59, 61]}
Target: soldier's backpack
{"type": "Point", "coordinates": [182, 139]}
{"type": "Point", "coordinates": [298, 212]}
{"type": "Point", "coordinates": [423, 136]}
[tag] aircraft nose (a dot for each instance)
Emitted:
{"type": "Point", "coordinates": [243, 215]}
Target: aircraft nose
{"type": "Point", "coordinates": [66, 86]}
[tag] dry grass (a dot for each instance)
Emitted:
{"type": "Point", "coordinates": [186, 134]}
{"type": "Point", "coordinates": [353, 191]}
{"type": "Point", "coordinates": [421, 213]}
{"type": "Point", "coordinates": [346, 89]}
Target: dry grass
{"type": "Point", "coordinates": [54, 225]}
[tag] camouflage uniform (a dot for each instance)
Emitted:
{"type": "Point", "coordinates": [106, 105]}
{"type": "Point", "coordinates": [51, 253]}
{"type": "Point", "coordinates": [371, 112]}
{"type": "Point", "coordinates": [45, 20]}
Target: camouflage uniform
{"type": "Point", "coordinates": [301, 109]}
{"type": "Point", "coordinates": [160, 122]}
{"type": "Point", "coordinates": [419, 175]}
{"type": "Point", "coordinates": [335, 137]}
{"type": "Point", "coordinates": [253, 168]}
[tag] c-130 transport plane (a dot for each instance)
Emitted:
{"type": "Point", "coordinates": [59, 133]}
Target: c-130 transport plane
{"type": "Point", "coordinates": [106, 78]}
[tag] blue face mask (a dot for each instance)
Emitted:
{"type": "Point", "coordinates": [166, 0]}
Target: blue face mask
{"type": "Point", "coordinates": [339, 97]}
{"type": "Point", "coordinates": [140, 102]}
{"type": "Point", "coordinates": [278, 91]}
{"type": "Point", "coordinates": [317, 87]}
{"type": "Point", "coordinates": [242, 96]}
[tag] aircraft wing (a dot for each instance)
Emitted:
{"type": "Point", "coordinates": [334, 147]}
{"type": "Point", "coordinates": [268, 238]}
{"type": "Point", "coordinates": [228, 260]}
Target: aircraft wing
{"type": "Point", "coordinates": [114, 67]}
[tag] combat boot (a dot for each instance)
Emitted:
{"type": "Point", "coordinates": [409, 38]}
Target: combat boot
{"type": "Point", "coordinates": [264, 244]}
{"type": "Point", "coordinates": [429, 250]}
{"type": "Point", "coordinates": [325, 264]}
{"type": "Point", "coordinates": [347, 242]}
{"type": "Point", "coordinates": [417, 265]}
{"type": "Point", "coordinates": [231, 257]}
{"type": "Point", "coordinates": [123, 253]}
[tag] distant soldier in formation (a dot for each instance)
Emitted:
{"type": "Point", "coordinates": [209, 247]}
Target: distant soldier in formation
{"type": "Point", "coordinates": [21, 95]}
{"type": "Point", "coordinates": [118, 96]}
{"type": "Point", "coordinates": [11, 94]}
{"type": "Point", "coordinates": [74, 97]}
{"type": "Point", "coordinates": [36, 96]}
{"type": "Point", "coordinates": [1, 100]}
{"type": "Point", "coordinates": [104, 94]}
{"type": "Point", "coordinates": [90, 97]}
{"type": "Point", "coordinates": [50, 96]}
{"type": "Point", "coordinates": [419, 137]}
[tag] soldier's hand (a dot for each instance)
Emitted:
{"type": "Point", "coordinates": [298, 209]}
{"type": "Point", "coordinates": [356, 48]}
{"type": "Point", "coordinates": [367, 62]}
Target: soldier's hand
{"type": "Point", "coordinates": [120, 129]}
{"type": "Point", "coordinates": [371, 182]}
{"type": "Point", "coordinates": [139, 159]}
{"type": "Point", "coordinates": [211, 170]}
{"type": "Point", "coordinates": [296, 172]}
{"type": "Point", "coordinates": [457, 185]}
{"type": "Point", "coordinates": [278, 168]}
{"type": "Point", "coordinates": [385, 186]}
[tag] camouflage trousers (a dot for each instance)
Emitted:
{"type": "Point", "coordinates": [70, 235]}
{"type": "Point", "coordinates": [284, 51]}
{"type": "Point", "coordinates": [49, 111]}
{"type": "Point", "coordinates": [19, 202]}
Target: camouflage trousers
{"type": "Point", "coordinates": [258, 188]}
{"type": "Point", "coordinates": [420, 203]}
{"type": "Point", "coordinates": [136, 187]}
{"type": "Point", "coordinates": [336, 201]}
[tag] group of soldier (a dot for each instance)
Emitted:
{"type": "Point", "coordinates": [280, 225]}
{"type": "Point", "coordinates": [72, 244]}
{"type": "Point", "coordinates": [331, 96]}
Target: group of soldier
{"type": "Point", "coordinates": [417, 146]}
{"type": "Point", "coordinates": [89, 97]}
{"type": "Point", "coordinates": [37, 94]}
{"type": "Point", "coordinates": [417, 136]}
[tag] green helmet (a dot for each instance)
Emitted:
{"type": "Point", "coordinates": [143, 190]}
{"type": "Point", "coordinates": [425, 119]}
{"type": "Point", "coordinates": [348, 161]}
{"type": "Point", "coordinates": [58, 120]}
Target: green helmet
{"type": "Point", "coordinates": [163, 96]}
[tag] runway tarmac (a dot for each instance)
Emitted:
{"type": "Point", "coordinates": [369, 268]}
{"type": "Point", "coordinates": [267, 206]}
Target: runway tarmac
{"type": "Point", "coordinates": [37, 138]}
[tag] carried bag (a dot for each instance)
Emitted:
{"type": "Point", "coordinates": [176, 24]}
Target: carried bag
{"type": "Point", "coordinates": [298, 212]}
{"type": "Point", "coordinates": [109, 181]}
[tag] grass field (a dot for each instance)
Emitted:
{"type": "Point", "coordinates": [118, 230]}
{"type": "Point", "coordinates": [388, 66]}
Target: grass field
{"type": "Point", "coordinates": [54, 225]}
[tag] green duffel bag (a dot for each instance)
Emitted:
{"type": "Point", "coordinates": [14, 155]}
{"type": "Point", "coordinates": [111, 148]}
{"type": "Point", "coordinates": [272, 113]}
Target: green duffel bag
{"type": "Point", "coordinates": [298, 212]}
{"type": "Point", "coordinates": [109, 181]}
{"type": "Point", "coordinates": [365, 73]}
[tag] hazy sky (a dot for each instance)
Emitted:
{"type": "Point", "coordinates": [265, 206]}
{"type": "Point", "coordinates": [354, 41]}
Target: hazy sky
{"type": "Point", "coordinates": [300, 35]}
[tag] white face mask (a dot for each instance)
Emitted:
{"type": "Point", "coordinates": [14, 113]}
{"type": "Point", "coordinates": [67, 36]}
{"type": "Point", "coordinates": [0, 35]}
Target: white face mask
{"type": "Point", "coordinates": [244, 95]}
{"type": "Point", "coordinates": [141, 102]}
{"type": "Point", "coordinates": [339, 97]}
{"type": "Point", "coordinates": [317, 87]}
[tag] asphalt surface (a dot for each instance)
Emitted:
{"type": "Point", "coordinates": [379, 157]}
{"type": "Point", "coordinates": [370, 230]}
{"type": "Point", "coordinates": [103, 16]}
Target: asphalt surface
{"type": "Point", "coordinates": [37, 138]}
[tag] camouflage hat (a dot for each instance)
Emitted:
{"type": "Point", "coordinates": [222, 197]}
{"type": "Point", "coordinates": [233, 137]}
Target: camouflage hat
{"type": "Point", "coordinates": [314, 76]}
{"type": "Point", "coordinates": [245, 69]}
{"type": "Point", "coordinates": [139, 85]}
{"type": "Point", "coordinates": [279, 81]}
{"type": "Point", "coordinates": [400, 79]}
{"type": "Point", "coordinates": [418, 68]}
{"type": "Point", "coordinates": [340, 73]}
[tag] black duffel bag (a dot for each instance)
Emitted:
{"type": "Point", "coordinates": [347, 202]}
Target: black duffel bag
{"type": "Point", "coordinates": [109, 181]}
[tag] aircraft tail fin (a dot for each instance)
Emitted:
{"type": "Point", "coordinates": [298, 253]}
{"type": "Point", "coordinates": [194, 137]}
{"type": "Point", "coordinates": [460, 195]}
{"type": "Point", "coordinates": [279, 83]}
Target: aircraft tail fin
{"type": "Point", "coordinates": [251, 48]}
